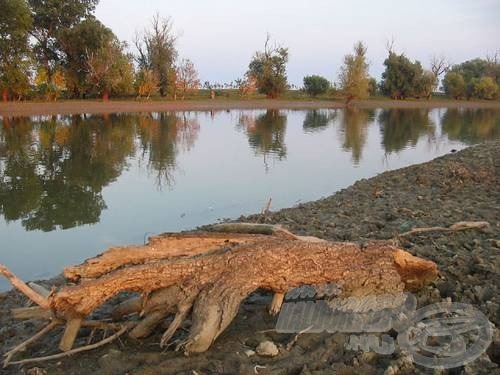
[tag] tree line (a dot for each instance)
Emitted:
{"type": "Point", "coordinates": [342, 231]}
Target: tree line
{"type": "Point", "coordinates": [51, 49]}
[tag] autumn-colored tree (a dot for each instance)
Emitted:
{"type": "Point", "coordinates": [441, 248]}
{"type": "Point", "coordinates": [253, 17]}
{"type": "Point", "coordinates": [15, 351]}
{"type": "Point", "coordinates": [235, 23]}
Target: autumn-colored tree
{"type": "Point", "coordinates": [268, 68]}
{"type": "Point", "coordinates": [485, 88]}
{"type": "Point", "coordinates": [246, 86]}
{"type": "Point", "coordinates": [51, 87]}
{"type": "Point", "coordinates": [186, 78]}
{"type": "Point", "coordinates": [110, 70]}
{"type": "Point", "coordinates": [146, 83]}
{"type": "Point", "coordinates": [354, 77]}
{"type": "Point", "coordinates": [157, 51]}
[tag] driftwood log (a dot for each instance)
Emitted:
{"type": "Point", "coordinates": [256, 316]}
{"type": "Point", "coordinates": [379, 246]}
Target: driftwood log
{"type": "Point", "coordinates": [208, 275]}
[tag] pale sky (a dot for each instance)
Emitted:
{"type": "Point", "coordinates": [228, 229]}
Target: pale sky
{"type": "Point", "coordinates": [220, 36]}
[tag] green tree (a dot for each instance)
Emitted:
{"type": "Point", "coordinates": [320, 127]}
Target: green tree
{"type": "Point", "coordinates": [401, 77]}
{"type": "Point", "coordinates": [474, 70]}
{"type": "Point", "coordinates": [372, 87]}
{"type": "Point", "coordinates": [157, 51]}
{"type": "Point", "coordinates": [268, 68]}
{"type": "Point", "coordinates": [485, 88]}
{"type": "Point", "coordinates": [50, 19]}
{"type": "Point", "coordinates": [110, 70]}
{"type": "Point", "coordinates": [316, 85]}
{"type": "Point", "coordinates": [354, 78]}
{"type": "Point", "coordinates": [454, 85]}
{"type": "Point", "coordinates": [425, 85]}
{"type": "Point", "coordinates": [78, 42]}
{"type": "Point", "coordinates": [15, 23]}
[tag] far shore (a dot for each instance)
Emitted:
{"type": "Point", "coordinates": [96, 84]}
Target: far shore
{"type": "Point", "coordinates": [15, 109]}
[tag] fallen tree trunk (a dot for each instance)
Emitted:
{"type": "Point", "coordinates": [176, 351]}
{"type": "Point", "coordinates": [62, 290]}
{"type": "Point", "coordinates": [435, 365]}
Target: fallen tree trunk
{"type": "Point", "coordinates": [176, 275]}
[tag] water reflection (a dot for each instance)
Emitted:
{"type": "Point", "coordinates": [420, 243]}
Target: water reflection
{"type": "Point", "coordinates": [161, 137]}
{"type": "Point", "coordinates": [353, 127]}
{"type": "Point", "coordinates": [318, 120]}
{"type": "Point", "coordinates": [53, 170]}
{"type": "Point", "coordinates": [471, 126]}
{"type": "Point", "coordinates": [403, 127]}
{"type": "Point", "coordinates": [266, 132]}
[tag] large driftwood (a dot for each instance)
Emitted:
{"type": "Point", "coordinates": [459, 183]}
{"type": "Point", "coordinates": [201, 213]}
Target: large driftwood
{"type": "Point", "coordinates": [208, 275]}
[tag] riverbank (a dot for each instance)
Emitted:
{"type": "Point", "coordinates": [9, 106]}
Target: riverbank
{"type": "Point", "coordinates": [15, 109]}
{"type": "Point", "coordinates": [457, 187]}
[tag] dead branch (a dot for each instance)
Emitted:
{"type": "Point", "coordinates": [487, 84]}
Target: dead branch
{"type": "Point", "coordinates": [23, 288]}
{"type": "Point", "coordinates": [21, 347]}
{"type": "Point", "coordinates": [460, 226]}
{"type": "Point", "coordinates": [81, 349]}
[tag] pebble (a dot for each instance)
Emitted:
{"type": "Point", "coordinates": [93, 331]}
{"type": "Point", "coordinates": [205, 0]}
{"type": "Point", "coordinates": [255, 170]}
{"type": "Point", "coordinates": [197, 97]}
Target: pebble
{"type": "Point", "coordinates": [249, 353]}
{"type": "Point", "coordinates": [267, 349]}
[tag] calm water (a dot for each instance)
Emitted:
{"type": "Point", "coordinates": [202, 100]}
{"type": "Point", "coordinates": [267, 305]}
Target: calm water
{"type": "Point", "coordinates": [72, 186]}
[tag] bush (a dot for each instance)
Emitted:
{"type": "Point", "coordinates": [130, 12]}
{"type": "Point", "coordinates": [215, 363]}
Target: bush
{"type": "Point", "coordinates": [454, 85]}
{"type": "Point", "coordinates": [485, 88]}
{"type": "Point", "coordinates": [316, 85]}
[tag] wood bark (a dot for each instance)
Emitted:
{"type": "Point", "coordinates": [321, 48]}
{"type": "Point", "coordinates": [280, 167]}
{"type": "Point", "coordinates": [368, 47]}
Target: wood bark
{"type": "Point", "coordinates": [208, 275]}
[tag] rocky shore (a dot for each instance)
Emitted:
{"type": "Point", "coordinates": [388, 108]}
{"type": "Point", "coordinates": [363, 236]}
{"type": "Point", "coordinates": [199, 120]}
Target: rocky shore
{"type": "Point", "coordinates": [463, 186]}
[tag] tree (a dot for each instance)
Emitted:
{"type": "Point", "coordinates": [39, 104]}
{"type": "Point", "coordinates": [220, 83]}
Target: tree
{"type": "Point", "coordinates": [246, 86]}
{"type": "Point", "coordinates": [426, 84]}
{"type": "Point", "coordinates": [268, 68]}
{"type": "Point", "coordinates": [372, 86]}
{"type": "Point", "coordinates": [110, 70]}
{"type": "Point", "coordinates": [146, 83]}
{"type": "Point", "coordinates": [15, 23]}
{"type": "Point", "coordinates": [439, 66]}
{"type": "Point", "coordinates": [78, 42]}
{"type": "Point", "coordinates": [454, 85]}
{"type": "Point", "coordinates": [316, 85]}
{"type": "Point", "coordinates": [50, 19]}
{"type": "Point", "coordinates": [157, 51]}
{"type": "Point", "coordinates": [187, 80]}
{"type": "Point", "coordinates": [50, 88]}
{"type": "Point", "coordinates": [401, 77]}
{"type": "Point", "coordinates": [485, 88]}
{"type": "Point", "coordinates": [354, 78]}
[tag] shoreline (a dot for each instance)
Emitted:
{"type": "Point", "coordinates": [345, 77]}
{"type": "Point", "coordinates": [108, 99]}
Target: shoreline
{"type": "Point", "coordinates": [456, 187]}
{"type": "Point", "coordinates": [70, 107]}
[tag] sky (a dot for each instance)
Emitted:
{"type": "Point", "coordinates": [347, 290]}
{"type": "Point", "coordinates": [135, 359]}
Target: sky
{"type": "Point", "coordinates": [220, 36]}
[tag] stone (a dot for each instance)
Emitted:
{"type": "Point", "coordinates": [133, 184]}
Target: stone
{"type": "Point", "coordinates": [267, 349]}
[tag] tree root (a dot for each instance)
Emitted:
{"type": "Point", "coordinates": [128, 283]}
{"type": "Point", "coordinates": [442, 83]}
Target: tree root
{"type": "Point", "coordinates": [207, 275]}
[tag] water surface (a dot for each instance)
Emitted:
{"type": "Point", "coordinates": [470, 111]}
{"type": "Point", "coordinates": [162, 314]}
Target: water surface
{"type": "Point", "coordinates": [71, 186]}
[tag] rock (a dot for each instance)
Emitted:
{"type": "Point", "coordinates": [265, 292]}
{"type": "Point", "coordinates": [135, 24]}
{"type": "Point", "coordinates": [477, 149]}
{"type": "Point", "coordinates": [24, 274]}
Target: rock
{"type": "Point", "coordinates": [369, 357]}
{"type": "Point", "coordinates": [267, 349]}
{"type": "Point", "coordinates": [249, 353]}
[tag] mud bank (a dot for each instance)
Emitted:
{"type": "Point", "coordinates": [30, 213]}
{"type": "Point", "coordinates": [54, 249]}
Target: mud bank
{"type": "Point", "coordinates": [14, 109]}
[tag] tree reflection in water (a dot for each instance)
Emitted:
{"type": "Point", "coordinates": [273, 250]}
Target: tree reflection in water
{"type": "Point", "coordinates": [266, 133]}
{"type": "Point", "coordinates": [402, 127]}
{"type": "Point", "coordinates": [53, 169]}
{"type": "Point", "coordinates": [318, 120]}
{"type": "Point", "coordinates": [471, 126]}
{"type": "Point", "coordinates": [354, 123]}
